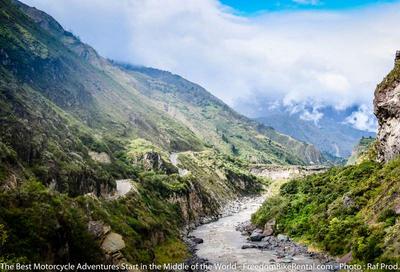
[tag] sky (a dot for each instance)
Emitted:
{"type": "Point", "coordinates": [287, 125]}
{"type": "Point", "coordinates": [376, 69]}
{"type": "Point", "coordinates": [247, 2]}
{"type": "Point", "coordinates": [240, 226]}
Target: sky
{"type": "Point", "coordinates": [298, 52]}
{"type": "Point", "coordinates": [257, 6]}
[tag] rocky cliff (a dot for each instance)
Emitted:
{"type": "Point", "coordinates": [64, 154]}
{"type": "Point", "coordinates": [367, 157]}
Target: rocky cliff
{"type": "Point", "coordinates": [387, 110]}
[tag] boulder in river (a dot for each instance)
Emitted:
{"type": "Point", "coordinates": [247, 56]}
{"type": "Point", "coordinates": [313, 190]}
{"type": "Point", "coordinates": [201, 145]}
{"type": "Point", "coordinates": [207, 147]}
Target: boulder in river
{"type": "Point", "coordinates": [283, 238]}
{"type": "Point", "coordinates": [249, 246]}
{"type": "Point", "coordinates": [266, 239]}
{"type": "Point", "coordinates": [287, 260]}
{"type": "Point", "coordinates": [256, 235]}
{"type": "Point", "coordinates": [197, 240]}
{"type": "Point", "coordinates": [246, 228]}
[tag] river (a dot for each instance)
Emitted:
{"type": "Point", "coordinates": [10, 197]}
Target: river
{"type": "Point", "coordinates": [222, 247]}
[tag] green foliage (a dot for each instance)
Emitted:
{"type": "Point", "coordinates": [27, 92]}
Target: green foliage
{"type": "Point", "coordinates": [172, 251]}
{"type": "Point", "coordinates": [139, 146]}
{"type": "Point", "coordinates": [345, 209]}
{"type": "Point", "coordinates": [38, 220]}
{"type": "Point", "coordinates": [269, 210]}
{"type": "Point", "coordinates": [391, 79]}
{"type": "Point", "coordinates": [42, 222]}
{"type": "Point", "coordinates": [388, 216]}
{"type": "Point", "coordinates": [3, 235]}
{"type": "Point", "coordinates": [164, 185]}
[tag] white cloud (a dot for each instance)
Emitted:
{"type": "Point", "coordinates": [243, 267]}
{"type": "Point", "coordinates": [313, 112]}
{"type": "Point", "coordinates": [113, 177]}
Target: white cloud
{"type": "Point", "coordinates": [362, 119]}
{"type": "Point", "coordinates": [307, 2]}
{"type": "Point", "coordinates": [331, 58]}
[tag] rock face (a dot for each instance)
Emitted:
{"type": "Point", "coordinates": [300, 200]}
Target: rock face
{"type": "Point", "coordinates": [101, 157]}
{"type": "Point", "coordinates": [113, 243]}
{"type": "Point", "coordinates": [387, 110]}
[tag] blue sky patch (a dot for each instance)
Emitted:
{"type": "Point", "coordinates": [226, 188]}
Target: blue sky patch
{"type": "Point", "coordinates": [254, 6]}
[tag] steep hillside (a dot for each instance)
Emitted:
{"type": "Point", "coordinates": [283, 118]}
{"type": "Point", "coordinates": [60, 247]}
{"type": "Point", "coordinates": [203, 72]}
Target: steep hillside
{"type": "Point", "coordinates": [353, 211]}
{"type": "Point", "coordinates": [112, 104]}
{"type": "Point", "coordinates": [217, 124]}
{"type": "Point", "coordinates": [364, 150]}
{"type": "Point", "coordinates": [76, 129]}
{"type": "Point", "coordinates": [386, 105]}
{"type": "Point", "coordinates": [58, 95]}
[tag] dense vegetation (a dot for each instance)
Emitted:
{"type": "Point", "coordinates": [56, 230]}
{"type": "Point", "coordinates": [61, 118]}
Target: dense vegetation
{"type": "Point", "coordinates": [42, 225]}
{"type": "Point", "coordinates": [351, 209]}
{"type": "Point", "coordinates": [72, 123]}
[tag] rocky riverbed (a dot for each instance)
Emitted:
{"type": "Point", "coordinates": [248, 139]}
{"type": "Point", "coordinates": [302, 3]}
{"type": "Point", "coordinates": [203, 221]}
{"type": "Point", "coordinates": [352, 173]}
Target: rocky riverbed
{"type": "Point", "coordinates": [233, 244]}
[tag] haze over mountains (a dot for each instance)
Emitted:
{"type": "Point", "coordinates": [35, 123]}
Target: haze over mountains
{"type": "Point", "coordinates": [330, 130]}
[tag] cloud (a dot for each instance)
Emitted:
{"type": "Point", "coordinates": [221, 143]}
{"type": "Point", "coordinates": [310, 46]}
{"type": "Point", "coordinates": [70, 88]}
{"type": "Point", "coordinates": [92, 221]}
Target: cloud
{"type": "Point", "coordinates": [362, 119]}
{"type": "Point", "coordinates": [307, 2]}
{"type": "Point", "coordinates": [331, 58]}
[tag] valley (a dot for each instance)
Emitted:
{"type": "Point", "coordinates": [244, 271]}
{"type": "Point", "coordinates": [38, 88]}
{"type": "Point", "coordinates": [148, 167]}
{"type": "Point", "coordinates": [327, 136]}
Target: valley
{"type": "Point", "coordinates": [107, 163]}
{"type": "Point", "coordinates": [103, 162]}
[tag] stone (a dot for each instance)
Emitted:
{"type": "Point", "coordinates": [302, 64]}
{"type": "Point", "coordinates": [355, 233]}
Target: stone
{"type": "Point", "coordinates": [246, 228]}
{"type": "Point", "coordinates": [101, 157]}
{"type": "Point", "coordinates": [263, 245]}
{"type": "Point", "coordinates": [197, 240]}
{"type": "Point", "coordinates": [98, 229]}
{"type": "Point", "coordinates": [266, 239]}
{"type": "Point", "coordinates": [397, 209]}
{"type": "Point", "coordinates": [287, 260]}
{"type": "Point", "coordinates": [257, 235]}
{"type": "Point", "coordinates": [347, 258]}
{"type": "Point", "coordinates": [348, 201]}
{"type": "Point", "coordinates": [248, 246]}
{"type": "Point", "coordinates": [269, 227]}
{"type": "Point", "coordinates": [282, 238]}
{"type": "Point", "coordinates": [152, 161]}
{"type": "Point", "coordinates": [113, 243]}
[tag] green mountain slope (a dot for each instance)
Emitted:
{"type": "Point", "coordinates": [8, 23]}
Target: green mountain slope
{"type": "Point", "coordinates": [217, 124]}
{"type": "Point", "coordinates": [111, 103]}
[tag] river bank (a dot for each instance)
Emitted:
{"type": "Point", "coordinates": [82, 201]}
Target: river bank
{"type": "Point", "coordinates": [224, 246]}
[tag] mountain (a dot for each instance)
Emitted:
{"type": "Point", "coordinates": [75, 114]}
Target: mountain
{"type": "Point", "coordinates": [104, 162]}
{"type": "Point", "coordinates": [215, 123]}
{"type": "Point", "coordinates": [327, 134]}
{"type": "Point", "coordinates": [330, 133]}
{"type": "Point", "coordinates": [350, 212]}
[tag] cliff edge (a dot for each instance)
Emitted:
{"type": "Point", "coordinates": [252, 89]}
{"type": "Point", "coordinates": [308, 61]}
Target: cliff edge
{"type": "Point", "coordinates": [387, 110]}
